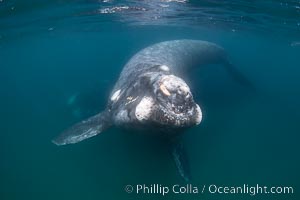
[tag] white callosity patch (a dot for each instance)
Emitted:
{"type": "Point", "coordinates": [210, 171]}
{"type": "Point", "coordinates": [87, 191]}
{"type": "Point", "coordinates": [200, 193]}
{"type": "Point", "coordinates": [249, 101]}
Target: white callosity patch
{"type": "Point", "coordinates": [144, 108]}
{"type": "Point", "coordinates": [173, 83]}
{"type": "Point", "coordinates": [165, 68]}
{"type": "Point", "coordinates": [115, 96]}
{"type": "Point", "coordinates": [199, 115]}
{"type": "Point", "coordinates": [163, 88]}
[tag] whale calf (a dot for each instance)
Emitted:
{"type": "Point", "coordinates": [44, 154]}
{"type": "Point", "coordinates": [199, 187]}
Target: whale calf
{"type": "Point", "coordinates": [151, 94]}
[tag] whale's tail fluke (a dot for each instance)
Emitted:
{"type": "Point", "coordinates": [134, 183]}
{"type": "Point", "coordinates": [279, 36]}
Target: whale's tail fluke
{"type": "Point", "coordinates": [84, 129]}
{"type": "Point", "coordinates": [180, 158]}
{"type": "Point", "coordinates": [237, 75]}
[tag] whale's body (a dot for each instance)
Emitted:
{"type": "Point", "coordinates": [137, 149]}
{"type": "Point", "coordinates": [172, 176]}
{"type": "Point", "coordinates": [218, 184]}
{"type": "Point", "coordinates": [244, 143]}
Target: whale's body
{"type": "Point", "coordinates": [178, 55]}
{"type": "Point", "coordinates": [151, 94]}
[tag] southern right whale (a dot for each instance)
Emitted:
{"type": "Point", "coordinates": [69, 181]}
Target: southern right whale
{"type": "Point", "coordinates": [151, 94]}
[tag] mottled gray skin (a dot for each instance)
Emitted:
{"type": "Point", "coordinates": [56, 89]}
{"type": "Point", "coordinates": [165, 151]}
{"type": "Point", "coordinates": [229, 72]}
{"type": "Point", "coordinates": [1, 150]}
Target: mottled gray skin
{"type": "Point", "coordinates": [151, 94]}
{"type": "Point", "coordinates": [178, 55]}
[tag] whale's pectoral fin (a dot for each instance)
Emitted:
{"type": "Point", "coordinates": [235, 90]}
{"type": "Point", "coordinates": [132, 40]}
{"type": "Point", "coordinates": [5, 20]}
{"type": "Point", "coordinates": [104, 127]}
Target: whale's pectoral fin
{"type": "Point", "coordinates": [180, 158]}
{"type": "Point", "coordinates": [84, 129]}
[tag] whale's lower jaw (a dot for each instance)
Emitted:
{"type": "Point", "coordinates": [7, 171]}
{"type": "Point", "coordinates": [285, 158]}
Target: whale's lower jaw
{"type": "Point", "coordinates": [166, 117]}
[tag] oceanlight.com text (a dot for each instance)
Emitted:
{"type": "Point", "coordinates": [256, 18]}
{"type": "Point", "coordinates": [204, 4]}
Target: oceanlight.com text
{"type": "Point", "coordinates": [213, 189]}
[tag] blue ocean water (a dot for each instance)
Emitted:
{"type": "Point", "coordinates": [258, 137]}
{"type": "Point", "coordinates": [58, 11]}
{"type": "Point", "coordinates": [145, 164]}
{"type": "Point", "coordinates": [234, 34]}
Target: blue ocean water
{"type": "Point", "coordinates": [60, 59]}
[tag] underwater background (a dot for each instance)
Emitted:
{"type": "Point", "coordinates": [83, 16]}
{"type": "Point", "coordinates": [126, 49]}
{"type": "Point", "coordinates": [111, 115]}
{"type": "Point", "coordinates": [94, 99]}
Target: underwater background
{"type": "Point", "coordinates": [59, 59]}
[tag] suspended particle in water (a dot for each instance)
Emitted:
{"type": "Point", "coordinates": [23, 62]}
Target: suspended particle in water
{"type": "Point", "coordinates": [295, 44]}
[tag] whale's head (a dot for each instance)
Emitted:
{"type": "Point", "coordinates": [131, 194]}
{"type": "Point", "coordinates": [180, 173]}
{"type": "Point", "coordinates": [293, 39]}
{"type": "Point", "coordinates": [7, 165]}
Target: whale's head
{"type": "Point", "coordinates": [157, 99]}
{"type": "Point", "coordinates": [170, 103]}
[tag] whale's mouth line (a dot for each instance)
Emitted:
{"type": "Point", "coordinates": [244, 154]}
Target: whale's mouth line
{"type": "Point", "coordinates": [181, 119]}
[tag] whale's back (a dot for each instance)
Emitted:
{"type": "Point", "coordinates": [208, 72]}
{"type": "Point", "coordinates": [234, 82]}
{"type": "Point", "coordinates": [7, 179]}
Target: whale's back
{"type": "Point", "coordinates": [178, 55]}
